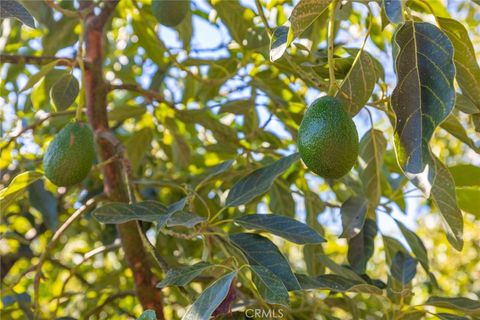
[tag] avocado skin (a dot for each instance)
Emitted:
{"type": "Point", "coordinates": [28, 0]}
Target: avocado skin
{"type": "Point", "coordinates": [70, 155]}
{"type": "Point", "coordinates": [170, 13]}
{"type": "Point", "coordinates": [328, 139]}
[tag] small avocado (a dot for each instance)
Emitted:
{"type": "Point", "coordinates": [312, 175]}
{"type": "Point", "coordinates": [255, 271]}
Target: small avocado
{"type": "Point", "coordinates": [170, 13]}
{"type": "Point", "coordinates": [70, 155]}
{"type": "Point", "coordinates": [328, 139]}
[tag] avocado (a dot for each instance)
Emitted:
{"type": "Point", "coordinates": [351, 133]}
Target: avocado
{"type": "Point", "coordinates": [69, 157]}
{"type": "Point", "coordinates": [328, 139]}
{"type": "Point", "coordinates": [170, 13]}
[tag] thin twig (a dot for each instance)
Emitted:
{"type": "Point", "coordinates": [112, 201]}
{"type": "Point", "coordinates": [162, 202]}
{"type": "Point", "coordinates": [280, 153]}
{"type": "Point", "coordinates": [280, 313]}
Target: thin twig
{"type": "Point", "coordinates": [37, 60]}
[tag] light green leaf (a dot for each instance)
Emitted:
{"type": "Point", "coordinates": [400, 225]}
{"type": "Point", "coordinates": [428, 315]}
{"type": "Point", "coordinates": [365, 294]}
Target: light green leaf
{"type": "Point", "coordinates": [64, 92]}
{"type": "Point", "coordinates": [453, 126]}
{"type": "Point", "coordinates": [138, 145]}
{"type": "Point", "coordinates": [424, 95]}
{"type": "Point", "coordinates": [124, 112]}
{"type": "Point", "coordinates": [281, 226]}
{"type": "Point", "coordinates": [468, 199]}
{"type": "Point", "coordinates": [148, 315]}
{"type": "Point", "coordinates": [336, 283]}
{"type": "Point", "coordinates": [464, 104]}
{"type": "Point", "coordinates": [466, 62]}
{"type": "Point", "coordinates": [462, 304]}
{"type": "Point", "coordinates": [465, 175]}
{"type": "Point", "coordinates": [270, 287]}
{"type": "Point", "coordinates": [361, 247]}
{"type": "Point", "coordinates": [403, 267]}
{"type": "Point", "coordinates": [358, 85]}
{"type": "Point", "coordinates": [353, 213]}
{"type": "Point", "coordinates": [116, 212]}
{"type": "Point", "coordinates": [261, 251]}
{"type": "Point", "coordinates": [210, 299]}
{"type": "Point", "coordinates": [258, 182]}
{"type": "Point", "coordinates": [416, 244]}
{"type": "Point", "coordinates": [33, 79]}
{"type": "Point", "coordinates": [181, 276]}
{"type": "Point", "coordinates": [14, 9]}
{"type": "Point", "coordinates": [305, 13]}
{"type": "Point", "coordinates": [17, 187]}
{"type": "Point", "coordinates": [45, 202]}
{"type": "Point", "coordinates": [394, 10]}
{"type": "Point", "coordinates": [372, 151]}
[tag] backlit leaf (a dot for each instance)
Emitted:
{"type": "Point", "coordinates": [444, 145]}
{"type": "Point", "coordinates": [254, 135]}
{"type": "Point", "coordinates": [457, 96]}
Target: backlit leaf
{"type": "Point", "coordinates": [469, 306]}
{"type": "Point", "coordinates": [17, 187]}
{"type": "Point", "coordinates": [305, 13]}
{"type": "Point", "coordinates": [64, 92]}
{"type": "Point", "coordinates": [33, 79]}
{"type": "Point", "coordinates": [181, 276]}
{"type": "Point", "coordinates": [456, 129]}
{"type": "Point", "coordinates": [270, 287]}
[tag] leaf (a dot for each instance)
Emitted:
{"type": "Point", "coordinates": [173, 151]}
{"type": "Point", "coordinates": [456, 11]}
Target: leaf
{"type": "Point", "coordinates": [181, 276]}
{"type": "Point", "coordinates": [462, 304]}
{"type": "Point", "coordinates": [464, 104]}
{"type": "Point", "coordinates": [424, 95]}
{"type": "Point", "coordinates": [416, 244]}
{"type": "Point", "coordinates": [210, 299]}
{"type": "Point", "coordinates": [270, 287]}
{"type": "Point", "coordinates": [258, 182]}
{"type": "Point", "coordinates": [45, 202]}
{"type": "Point", "coordinates": [215, 171]}
{"type": "Point", "coordinates": [370, 159]}
{"type": "Point", "coordinates": [14, 9]}
{"type": "Point", "coordinates": [361, 247]}
{"type": "Point", "coordinates": [64, 92]}
{"type": "Point", "coordinates": [116, 212]}
{"type": "Point", "coordinates": [465, 175]}
{"type": "Point", "coordinates": [358, 85]}
{"type": "Point", "coordinates": [281, 226]}
{"type": "Point", "coordinates": [353, 213]}
{"type": "Point", "coordinates": [338, 269]}
{"type": "Point", "coordinates": [281, 39]}
{"type": "Point", "coordinates": [17, 187]}
{"type": "Point", "coordinates": [261, 251]}
{"type": "Point", "coordinates": [305, 13]}
{"type": "Point", "coordinates": [447, 316]}
{"type": "Point", "coordinates": [336, 283]}
{"type": "Point", "coordinates": [403, 267]}
{"type": "Point", "coordinates": [394, 10]}
{"type": "Point", "coordinates": [124, 112]}
{"type": "Point", "coordinates": [468, 199]}
{"type": "Point", "coordinates": [281, 200]}
{"type": "Point", "coordinates": [184, 219]}
{"type": "Point", "coordinates": [33, 79]}
{"type": "Point", "coordinates": [455, 128]}
{"type": "Point", "coordinates": [148, 315]}
{"type": "Point", "coordinates": [138, 145]}
{"type": "Point", "coordinates": [466, 62]}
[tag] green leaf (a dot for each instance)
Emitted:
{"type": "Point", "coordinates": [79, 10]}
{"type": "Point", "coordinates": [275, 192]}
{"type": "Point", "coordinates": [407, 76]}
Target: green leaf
{"type": "Point", "coordinates": [33, 79]}
{"type": "Point", "coordinates": [424, 95]}
{"type": "Point", "coordinates": [14, 9]}
{"type": "Point", "coordinates": [181, 276]}
{"type": "Point", "coordinates": [17, 187]}
{"type": "Point", "coordinates": [358, 85]}
{"type": "Point", "coordinates": [312, 262]}
{"type": "Point", "coordinates": [281, 226]}
{"type": "Point", "coordinates": [394, 10]}
{"type": "Point", "coordinates": [261, 251]}
{"type": "Point", "coordinates": [462, 304]}
{"type": "Point", "coordinates": [305, 13]}
{"type": "Point", "coordinates": [464, 104]}
{"type": "Point", "coordinates": [338, 269]}
{"type": "Point", "coordinates": [361, 247]}
{"type": "Point", "coordinates": [258, 182]}
{"type": "Point", "coordinates": [148, 315]}
{"type": "Point", "coordinates": [184, 219]}
{"type": "Point", "coordinates": [455, 128]}
{"type": "Point", "coordinates": [270, 287]}
{"type": "Point", "coordinates": [116, 212]}
{"type": "Point", "coordinates": [403, 267]}
{"type": "Point", "coordinates": [281, 39]}
{"type": "Point", "coordinates": [210, 299]}
{"type": "Point", "coordinates": [372, 151]}
{"type": "Point", "coordinates": [154, 47]}
{"type": "Point", "coordinates": [45, 202]}
{"type": "Point", "coordinates": [124, 112]}
{"type": "Point", "coordinates": [216, 171]}
{"type": "Point", "coordinates": [466, 62]}
{"type": "Point", "coordinates": [64, 92]}
{"type": "Point", "coordinates": [468, 199]}
{"type": "Point", "coordinates": [465, 175]}
{"type": "Point", "coordinates": [447, 316]}
{"type": "Point", "coordinates": [416, 244]}
{"type": "Point", "coordinates": [336, 283]}
{"type": "Point", "coordinates": [353, 213]}
{"type": "Point", "coordinates": [281, 200]}
{"type": "Point", "coordinates": [138, 145]}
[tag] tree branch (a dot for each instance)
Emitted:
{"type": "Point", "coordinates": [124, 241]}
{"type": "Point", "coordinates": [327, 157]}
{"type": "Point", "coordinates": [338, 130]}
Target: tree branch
{"type": "Point", "coordinates": [149, 94]}
{"type": "Point", "coordinates": [37, 60]}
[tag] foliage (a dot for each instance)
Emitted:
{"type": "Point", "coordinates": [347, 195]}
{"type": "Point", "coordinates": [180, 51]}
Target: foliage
{"type": "Point", "coordinates": [197, 167]}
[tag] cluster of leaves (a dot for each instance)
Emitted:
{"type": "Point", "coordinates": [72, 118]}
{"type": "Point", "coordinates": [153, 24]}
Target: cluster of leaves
{"type": "Point", "coordinates": [207, 140]}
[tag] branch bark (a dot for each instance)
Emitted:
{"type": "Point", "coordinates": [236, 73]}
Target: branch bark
{"type": "Point", "coordinates": [36, 60]}
{"type": "Point", "coordinates": [96, 90]}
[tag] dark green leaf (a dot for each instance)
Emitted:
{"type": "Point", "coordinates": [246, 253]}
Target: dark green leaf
{"type": "Point", "coordinates": [148, 315]}
{"type": "Point", "coordinates": [64, 92]}
{"type": "Point", "coordinates": [424, 95]}
{"type": "Point", "coordinates": [258, 182]}
{"type": "Point", "coordinates": [17, 187]}
{"type": "Point", "coordinates": [181, 276]}
{"type": "Point", "coordinates": [184, 219]}
{"type": "Point", "coordinates": [447, 316]}
{"type": "Point", "coordinates": [361, 247]}
{"type": "Point", "coordinates": [353, 213]}
{"type": "Point", "coordinates": [281, 200]}
{"type": "Point", "coordinates": [270, 287]}
{"type": "Point", "coordinates": [124, 112]}
{"type": "Point", "coordinates": [138, 145]}
{"type": "Point", "coordinates": [416, 244]}
{"type": "Point", "coordinates": [261, 251]}
{"type": "Point", "coordinates": [403, 267]}
{"type": "Point", "coordinates": [338, 269]}
{"type": "Point", "coordinates": [394, 10]}
{"type": "Point", "coordinates": [116, 212]}
{"type": "Point", "coordinates": [45, 202]}
{"type": "Point", "coordinates": [462, 304]}
{"type": "Point", "coordinates": [281, 226]}
{"type": "Point", "coordinates": [210, 299]}
{"type": "Point", "coordinates": [215, 171]}
{"type": "Point", "coordinates": [336, 283]}
{"type": "Point", "coordinates": [14, 9]}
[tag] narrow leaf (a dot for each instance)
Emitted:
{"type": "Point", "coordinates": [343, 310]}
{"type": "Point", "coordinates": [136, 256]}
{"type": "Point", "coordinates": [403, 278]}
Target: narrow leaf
{"type": "Point", "coordinates": [258, 182]}
{"type": "Point", "coordinates": [416, 244]}
{"type": "Point", "coordinates": [453, 126]}
{"type": "Point", "coordinates": [281, 226]}
{"type": "Point", "coordinates": [270, 287]}
{"type": "Point", "coordinates": [216, 170]}
{"type": "Point", "coordinates": [64, 92]}
{"type": "Point", "coordinates": [281, 200]}
{"type": "Point", "coordinates": [462, 304]}
{"type": "Point", "coordinates": [116, 212]}
{"type": "Point", "coordinates": [11, 8]}
{"type": "Point", "coordinates": [361, 247]}
{"type": "Point", "coordinates": [261, 251]}
{"type": "Point", "coordinates": [184, 219]}
{"type": "Point", "coordinates": [353, 213]}
{"type": "Point", "coordinates": [394, 10]}
{"type": "Point", "coordinates": [45, 202]}
{"type": "Point", "coordinates": [182, 276]}
{"type": "Point", "coordinates": [17, 187]}
{"type": "Point", "coordinates": [403, 267]}
{"type": "Point", "coordinates": [210, 299]}
{"type": "Point", "coordinates": [33, 79]}
{"type": "Point", "coordinates": [336, 283]}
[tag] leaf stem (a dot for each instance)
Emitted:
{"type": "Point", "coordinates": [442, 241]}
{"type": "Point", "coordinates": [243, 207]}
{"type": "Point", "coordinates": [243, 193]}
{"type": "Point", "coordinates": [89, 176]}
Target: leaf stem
{"type": "Point", "coordinates": [331, 38]}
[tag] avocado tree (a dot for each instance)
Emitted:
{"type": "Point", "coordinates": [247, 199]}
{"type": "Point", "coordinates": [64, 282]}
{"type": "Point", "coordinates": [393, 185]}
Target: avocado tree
{"type": "Point", "coordinates": [159, 159]}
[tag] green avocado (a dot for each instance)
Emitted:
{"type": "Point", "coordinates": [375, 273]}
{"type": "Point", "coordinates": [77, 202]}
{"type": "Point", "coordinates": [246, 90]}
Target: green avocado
{"type": "Point", "coordinates": [70, 155]}
{"type": "Point", "coordinates": [170, 13]}
{"type": "Point", "coordinates": [328, 139]}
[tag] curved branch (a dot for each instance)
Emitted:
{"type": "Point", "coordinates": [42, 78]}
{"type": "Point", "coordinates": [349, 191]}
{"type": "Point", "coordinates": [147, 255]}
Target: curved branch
{"type": "Point", "coordinates": [36, 60]}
